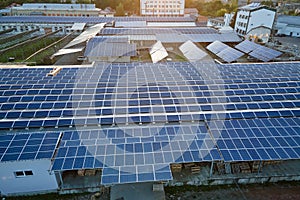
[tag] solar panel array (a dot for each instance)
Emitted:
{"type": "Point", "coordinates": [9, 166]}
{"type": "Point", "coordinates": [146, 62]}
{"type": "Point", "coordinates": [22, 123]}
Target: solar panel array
{"type": "Point", "coordinates": [127, 149]}
{"type": "Point", "coordinates": [31, 99]}
{"type": "Point", "coordinates": [223, 51]}
{"type": "Point", "coordinates": [154, 31]}
{"type": "Point", "coordinates": [28, 146]}
{"type": "Point", "coordinates": [265, 54]}
{"type": "Point", "coordinates": [171, 38]}
{"type": "Point", "coordinates": [223, 37]}
{"type": "Point", "coordinates": [197, 34]}
{"type": "Point", "coordinates": [158, 52]}
{"type": "Point", "coordinates": [202, 112]}
{"type": "Point", "coordinates": [85, 35]}
{"type": "Point", "coordinates": [259, 139]}
{"type": "Point", "coordinates": [230, 54]}
{"type": "Point", "coordinates": [130, 24]}
{"type": "Point", "coordinates": [216, 47]}
{"type": "Point", "coordinates": [109, 46]}
{"type": "Point", "coordinates": [257, 51]}
{"type": "Point", "coordinates": [247, 46]}
{"type": "Point", "coordinates": [89, 20]}
{"type": "Point", "coordinates": [192, 52]}
{"type": "Point", "coordinates": [109, 39]}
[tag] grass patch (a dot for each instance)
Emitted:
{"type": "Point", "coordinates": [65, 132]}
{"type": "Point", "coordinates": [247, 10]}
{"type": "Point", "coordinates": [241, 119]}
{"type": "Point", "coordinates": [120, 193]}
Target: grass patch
{"type": "Point", "coordinates": [22, 52]}
{"type": "Point", "coordinates": [39, 58]}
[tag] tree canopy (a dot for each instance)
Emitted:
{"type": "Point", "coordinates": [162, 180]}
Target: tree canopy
{"type": "Point", "coordinates": [132, 7]}
{"type": "Point", "coordinates": [212, 8]}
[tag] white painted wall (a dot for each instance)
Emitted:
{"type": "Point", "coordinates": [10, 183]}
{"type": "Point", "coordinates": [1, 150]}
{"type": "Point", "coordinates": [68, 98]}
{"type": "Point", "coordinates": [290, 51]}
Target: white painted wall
{"type": "Point", "coordinates": [227, 18]}
{"type": "Point", "coordinates": [261, 17]}
{"type": "Point", "coordinates": [254, 19]}
{"type": "Point", "coordinates": [40, 181]}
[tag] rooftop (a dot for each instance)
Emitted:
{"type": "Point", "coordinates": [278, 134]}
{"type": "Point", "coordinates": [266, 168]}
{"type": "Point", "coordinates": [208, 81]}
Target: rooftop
{"type": "Point", "coordinates": [133, 120]}
{"type": "Point", "coordinates": [290, 20]}
{"type": "Point", "coordinates": [54, 6]}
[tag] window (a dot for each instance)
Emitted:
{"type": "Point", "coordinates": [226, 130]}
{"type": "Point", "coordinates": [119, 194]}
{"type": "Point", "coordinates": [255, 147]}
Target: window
{"type": "Point", "coordinates": [19, 173]}
{"type": "Point", "coordinates": [28, 173]}
{"type": "Point", "coordinates": [23, 173]}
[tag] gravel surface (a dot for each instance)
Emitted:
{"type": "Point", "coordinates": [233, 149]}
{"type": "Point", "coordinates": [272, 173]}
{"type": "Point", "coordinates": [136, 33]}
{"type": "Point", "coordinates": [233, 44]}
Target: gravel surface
{"type": "Point", "coordinates": [271, 191]}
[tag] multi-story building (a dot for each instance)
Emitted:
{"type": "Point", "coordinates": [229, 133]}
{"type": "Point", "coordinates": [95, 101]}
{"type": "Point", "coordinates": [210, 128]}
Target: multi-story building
{"type": "Point", "coordinates": [252, 16]}
{"type": "Point", "coordinates": [162, 7]}
{"type": "Point", "coordinates": [48, 9]}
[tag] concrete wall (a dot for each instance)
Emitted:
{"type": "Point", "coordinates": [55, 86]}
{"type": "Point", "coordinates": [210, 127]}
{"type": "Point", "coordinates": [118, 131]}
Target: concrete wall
{"type": "Point", "coordinates": [40, 181]}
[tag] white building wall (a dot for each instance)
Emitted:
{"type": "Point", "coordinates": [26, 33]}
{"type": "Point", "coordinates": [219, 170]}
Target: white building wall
{"type": "Point", "coordinates": [262, 17]}
{"type": "Point", "coordinates": [40, 181]}
{"type": "Point", "coordinates": [247, 20]}
{"type": "Point", "coordinates": [227, 18]}
{"type": "Point", "coordinates": [241, 22]}
{"type": "Point", "coordinates": [162, 7]}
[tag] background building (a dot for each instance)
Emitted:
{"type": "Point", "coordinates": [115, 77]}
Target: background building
{"type": "Point", "coordinates": [288, 25]}
{"type": "Point", "coordinates": [49, 9]}
{"type": "Point", "coordinates": [162, 7]}
{"type": "Point", "coordinates": [253, 16]}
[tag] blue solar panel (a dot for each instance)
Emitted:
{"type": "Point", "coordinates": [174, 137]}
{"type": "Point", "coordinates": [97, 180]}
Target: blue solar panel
{"type": "Point", "coordinates": [28, 146]}
{"type": "Point", "coordinates": [262, 139]}
{"type": "Point", "coordinates": [90, 20]}
{"type": "Point", "coordinates": [118, 103]}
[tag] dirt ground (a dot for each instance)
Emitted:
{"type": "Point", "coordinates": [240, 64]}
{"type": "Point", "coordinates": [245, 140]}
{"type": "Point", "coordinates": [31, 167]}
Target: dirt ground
{"type": "Point", "coordinates": [270, 191]}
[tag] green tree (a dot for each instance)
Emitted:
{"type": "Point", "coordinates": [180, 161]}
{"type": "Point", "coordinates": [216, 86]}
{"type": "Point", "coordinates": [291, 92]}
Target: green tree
{"type": "Point", "coordinates": [120, 10]}
{"type": "Point", "coordinates": [102, 3]}
{"type": "Point", "coordinates": [83, 1]}
{"type": "Point", "coordinates": [267, 3]}
{"type": "Point", "coordinates": [221, 12]}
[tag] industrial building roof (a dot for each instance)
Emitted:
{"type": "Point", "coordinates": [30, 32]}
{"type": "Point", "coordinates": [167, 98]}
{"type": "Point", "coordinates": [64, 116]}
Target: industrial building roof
{"type": "Point", "coordinates": [91, 20]}
{"type": "Point", "coordinates": [54, 6]}
{"type": "Point", "coordinates": [289, 20]}
{"type": "Point", "coordinates": [133, 120]}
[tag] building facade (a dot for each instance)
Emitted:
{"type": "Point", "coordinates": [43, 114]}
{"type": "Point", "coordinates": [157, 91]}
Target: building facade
{"type": "Point", "coordinates": [27, 177]}
{"type": "Point", "coordinates": [48, 9]}
{"type": "Point", "coordinates": [252, 16]}
{"type": "Point", "coordinates": [288, 25]}
{"type": "Point", "coordinates": [162, 7]}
